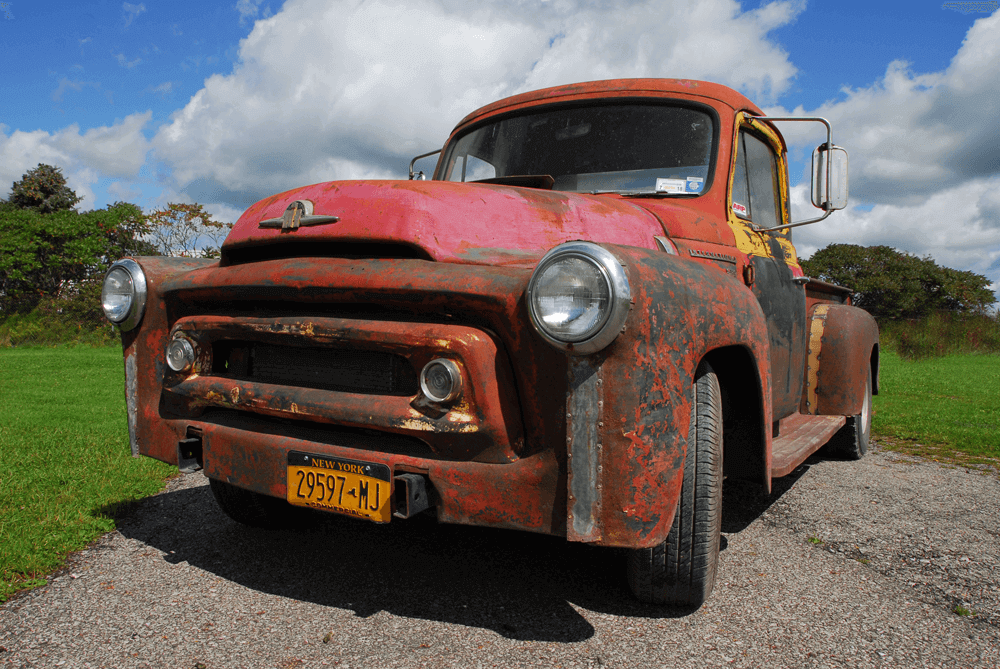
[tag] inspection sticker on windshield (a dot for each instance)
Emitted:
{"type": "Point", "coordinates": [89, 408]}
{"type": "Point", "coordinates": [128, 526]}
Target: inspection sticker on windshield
{"type": "Point", "coordinates": [693, 185]}
{"type": "Point", "coordinates": [739, 209]}
{"type": "Point", "coordinates": [670, 186]}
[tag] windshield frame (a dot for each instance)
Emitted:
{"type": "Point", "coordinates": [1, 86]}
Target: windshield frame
{"type": "Point", "coordinates": [627, 100]}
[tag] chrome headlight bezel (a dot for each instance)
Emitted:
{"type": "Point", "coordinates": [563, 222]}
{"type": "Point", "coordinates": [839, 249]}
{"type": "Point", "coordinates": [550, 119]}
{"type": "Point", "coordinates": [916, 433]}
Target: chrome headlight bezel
{"type": "Point", "coordinates": [611, 321]}
{"type": "Point", "coordinates": [454, 375]}
{"type": "Point", "coordinates": [137, 304]}
{"type": "Point", "coordinates": [188, 354]}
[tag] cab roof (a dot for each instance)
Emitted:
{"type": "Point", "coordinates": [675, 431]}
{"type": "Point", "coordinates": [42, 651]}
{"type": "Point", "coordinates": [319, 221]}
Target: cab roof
{"type": "Point", "coordinates": [688, 88]}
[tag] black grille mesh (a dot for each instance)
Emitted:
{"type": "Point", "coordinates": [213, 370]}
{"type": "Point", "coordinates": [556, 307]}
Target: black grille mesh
{"type": "Point", "coordinates": [367, 372]}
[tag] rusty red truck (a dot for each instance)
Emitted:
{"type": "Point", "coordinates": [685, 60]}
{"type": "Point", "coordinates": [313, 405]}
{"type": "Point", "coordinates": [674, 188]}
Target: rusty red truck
{"type": "Point", "coordinates": [587, 318]}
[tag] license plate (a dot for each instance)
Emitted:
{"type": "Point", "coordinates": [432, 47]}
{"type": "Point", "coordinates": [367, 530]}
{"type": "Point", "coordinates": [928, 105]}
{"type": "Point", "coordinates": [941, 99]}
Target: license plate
{"type": "Point", "coordinates": [359, 489]}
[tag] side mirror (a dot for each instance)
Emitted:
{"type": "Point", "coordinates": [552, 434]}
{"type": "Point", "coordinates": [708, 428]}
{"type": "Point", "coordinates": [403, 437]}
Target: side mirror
{"type": "Point", "coordinates": [829, 173]}
{"type": "Point", "coordinates": [829, 177]}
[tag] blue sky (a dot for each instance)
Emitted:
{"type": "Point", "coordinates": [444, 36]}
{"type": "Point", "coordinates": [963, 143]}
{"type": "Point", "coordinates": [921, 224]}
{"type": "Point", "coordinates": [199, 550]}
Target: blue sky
{"type": "Point", "coordinates": [224, 103]}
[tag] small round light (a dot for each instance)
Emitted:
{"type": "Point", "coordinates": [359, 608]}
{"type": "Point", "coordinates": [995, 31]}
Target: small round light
{"type": "Point", "coordinates": [180, 354]}
{"type": "Point", "coordinates": [123, 295]}
{"type": "Point", "coordinates": [441, 380]}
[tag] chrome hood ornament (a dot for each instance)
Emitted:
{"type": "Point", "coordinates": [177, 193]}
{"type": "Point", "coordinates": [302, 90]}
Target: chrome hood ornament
{"type": "Point", "coordinates": [298, 213]}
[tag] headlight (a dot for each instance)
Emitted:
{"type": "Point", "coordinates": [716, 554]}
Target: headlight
{"type": "Point", "coordinates": [123, 296]}
{"type": "Point", "coordinates": [578, 297]}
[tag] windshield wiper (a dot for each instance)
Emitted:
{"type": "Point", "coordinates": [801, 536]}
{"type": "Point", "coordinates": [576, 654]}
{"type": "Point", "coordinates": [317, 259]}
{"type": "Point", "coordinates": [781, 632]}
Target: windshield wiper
{"type": "Point", "coordinates": [640, 193]}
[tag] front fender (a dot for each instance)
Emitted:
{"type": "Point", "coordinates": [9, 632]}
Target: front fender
{"type": "Point", "coordinates": [143, 349]}
{"type": "Point", "coordinates": [628, 406]}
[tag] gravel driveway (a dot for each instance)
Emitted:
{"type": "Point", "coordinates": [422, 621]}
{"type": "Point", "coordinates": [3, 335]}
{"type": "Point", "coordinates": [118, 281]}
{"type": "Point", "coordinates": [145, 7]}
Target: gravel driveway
{"type": "Point", "coordinates": [846, 564]}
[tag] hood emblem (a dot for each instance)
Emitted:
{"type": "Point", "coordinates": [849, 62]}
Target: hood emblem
{"type": "Point", "coordinates": [297, 214]}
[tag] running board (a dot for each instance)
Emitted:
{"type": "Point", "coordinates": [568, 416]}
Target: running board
{"type": "Point", "coordinates": [801, 435]}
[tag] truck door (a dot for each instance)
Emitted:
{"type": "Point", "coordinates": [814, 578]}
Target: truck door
{"type": "Point", "coordinates": [757, 199]}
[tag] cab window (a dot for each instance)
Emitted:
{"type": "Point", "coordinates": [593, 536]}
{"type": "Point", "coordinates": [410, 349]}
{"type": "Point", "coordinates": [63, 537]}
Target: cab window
{"type": "Point", "coordinates": [755, 182]}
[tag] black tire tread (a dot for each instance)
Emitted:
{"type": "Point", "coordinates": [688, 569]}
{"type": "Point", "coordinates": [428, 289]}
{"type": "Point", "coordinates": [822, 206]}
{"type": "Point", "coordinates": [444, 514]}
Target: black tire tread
{"type": "Point", "coordinates": [681, 571]}
{"type": "Point", "coordinates": [851, 441]}
{"type": "Point", "coordinates": [250, 508]}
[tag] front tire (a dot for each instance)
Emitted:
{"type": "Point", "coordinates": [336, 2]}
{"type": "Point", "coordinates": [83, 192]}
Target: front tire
{"type": "Point", "coordinates": [251, 508]}
{"type": "Point", "coordinates": [852, 440]}
{"type": "Point", "coordinates": [680, 572]}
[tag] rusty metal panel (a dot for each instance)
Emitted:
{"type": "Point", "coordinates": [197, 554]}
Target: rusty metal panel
{"type": "Point", "coordinates": [682, 311]}
{"type": "Point", "coordinates": [584, 417]}
{"type": "Point", "coordinates": [849, 341]}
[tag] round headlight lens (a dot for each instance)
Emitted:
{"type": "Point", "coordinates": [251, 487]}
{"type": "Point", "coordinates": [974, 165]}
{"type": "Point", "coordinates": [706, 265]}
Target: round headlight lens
{"type": "Point", "coordinates": [180, 354]}
{"type": "Point", "coordinates": [571, 298]}
{"type": "Point", "coordinates": [117, 294]}
{"type": "Point", "coordinates": [123, 295]}
{"type": "Point", "coordinates": [579, 297]}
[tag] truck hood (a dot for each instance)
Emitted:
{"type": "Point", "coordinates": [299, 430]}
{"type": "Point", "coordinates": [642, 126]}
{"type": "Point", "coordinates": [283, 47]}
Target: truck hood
{"type": "Point", "coordinates": [448, 222]}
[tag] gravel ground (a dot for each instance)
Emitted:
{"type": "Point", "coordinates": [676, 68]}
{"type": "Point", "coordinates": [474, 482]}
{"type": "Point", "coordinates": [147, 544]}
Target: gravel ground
{"type": "Point", "coordinates": [846, 564]}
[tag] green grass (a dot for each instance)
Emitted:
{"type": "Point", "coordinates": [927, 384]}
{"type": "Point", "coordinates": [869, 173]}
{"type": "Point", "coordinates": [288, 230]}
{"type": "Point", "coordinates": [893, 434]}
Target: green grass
{"type": "Point", "coordinates": [943, 408]}
{"type": "Point", "coordinates": [65, 465]}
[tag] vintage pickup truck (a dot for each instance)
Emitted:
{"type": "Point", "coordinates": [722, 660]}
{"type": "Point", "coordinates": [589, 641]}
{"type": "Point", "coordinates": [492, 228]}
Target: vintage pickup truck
{"type": "Point", "coordinates": [589, 317]}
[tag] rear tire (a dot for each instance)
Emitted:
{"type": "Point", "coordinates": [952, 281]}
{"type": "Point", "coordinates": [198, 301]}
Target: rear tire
{"type": "Point", "coordinates": [852, 440]}
{"type": "Point", "coordinates": [680, 572]}
{"type": "Point", "coordinates": [251, 508]}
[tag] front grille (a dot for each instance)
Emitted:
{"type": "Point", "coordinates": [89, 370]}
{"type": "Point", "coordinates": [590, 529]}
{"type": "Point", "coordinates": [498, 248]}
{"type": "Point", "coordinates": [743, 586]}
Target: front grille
{"type": "Point", "coordinates": [345, 370]}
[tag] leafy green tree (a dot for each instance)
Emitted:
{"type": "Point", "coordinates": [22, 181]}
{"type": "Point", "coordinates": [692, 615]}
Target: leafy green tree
{"type": "Point", "coordinates": [892, 285]}
{"type": "Point", "coordinates": [43, 254]}
{"type": "Point", "coordinates": [44, 190]}
{"type": "Point", "coordinates": [186, 230]}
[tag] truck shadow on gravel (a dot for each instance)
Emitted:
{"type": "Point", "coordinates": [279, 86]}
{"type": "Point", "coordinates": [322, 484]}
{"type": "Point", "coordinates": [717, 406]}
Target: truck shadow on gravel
{"type": "Point", "coordinates": [520, 585]}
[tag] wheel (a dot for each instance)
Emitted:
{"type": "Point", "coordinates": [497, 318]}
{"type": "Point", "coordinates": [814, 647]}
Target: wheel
{"type": "Point", "coordinates": [251, 508]}
{"type": "Point", "coordinates": [680, 572]}
{"type": "Point", "coordinates": [851, 441]}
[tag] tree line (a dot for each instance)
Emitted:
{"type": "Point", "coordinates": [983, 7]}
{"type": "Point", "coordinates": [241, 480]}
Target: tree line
{"type": "Point", "coordinates": [50, 251]}
{"type": "Point", "coordinates": [893, 286]}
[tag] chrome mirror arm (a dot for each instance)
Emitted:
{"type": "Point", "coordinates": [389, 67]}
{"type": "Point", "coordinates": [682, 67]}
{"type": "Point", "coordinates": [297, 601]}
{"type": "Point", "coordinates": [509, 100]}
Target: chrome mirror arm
{"type": "Point", "coordinates": [827, 208]}
{"type": "Point", "coordinates": [422, 155]}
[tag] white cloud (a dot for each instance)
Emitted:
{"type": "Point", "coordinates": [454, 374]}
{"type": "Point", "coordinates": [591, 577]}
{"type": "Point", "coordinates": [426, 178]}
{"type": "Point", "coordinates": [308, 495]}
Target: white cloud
{"type": "Point", "coordinates": [913, 135]}
{"type": "Point", "coordinates": [352, 89]}
{"type": "Point", "coordinates": [132, 11]}
{"type": "Point", "coordinates": [249, 9]}
{"type": "Point", "coordinates": [924, 157]}
{"type": "Point", "coordinates": [109, 151]}
{"type": "Point", "coordinates": [124, 192]}
{"type": "Point", "coordinates": [68, 84]}
{"type": "Point", "coordinates": [125, 62]}
{"type": "Point", "coordinates": [163, 89]}
{"type": "Point", "coordinates": [958, 227]}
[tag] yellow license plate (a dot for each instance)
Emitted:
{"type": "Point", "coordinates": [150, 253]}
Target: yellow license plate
{"type": "Point", "coordinates": [359, 489]}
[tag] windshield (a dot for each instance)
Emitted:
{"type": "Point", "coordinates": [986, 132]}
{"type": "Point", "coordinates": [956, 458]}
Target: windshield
{"type": "Point", "coordinates": [622, 147]}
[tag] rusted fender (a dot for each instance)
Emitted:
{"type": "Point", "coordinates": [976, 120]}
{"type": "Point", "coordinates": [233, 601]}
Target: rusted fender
{"type": "Point", "coordinates": [837, 372]}
{"type": "Point", "coordinates": [143, 348]}
{"type": "Point", "coordinates": [636, 439]}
